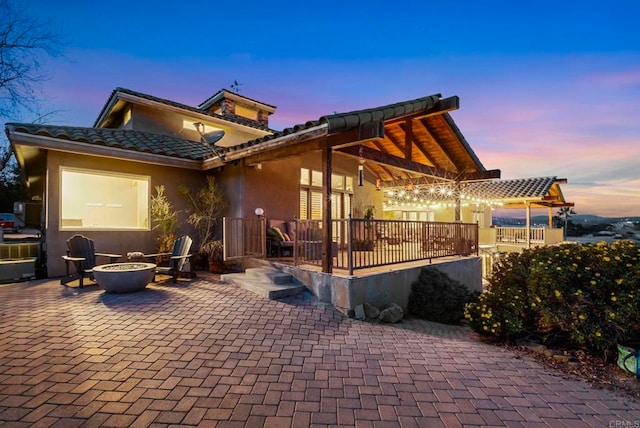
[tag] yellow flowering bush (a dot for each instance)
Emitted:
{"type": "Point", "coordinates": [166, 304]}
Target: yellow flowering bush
{"type": "Point", "coordinates": [504, 309]}
{"type": "Point", "coordinates": [587, 296]}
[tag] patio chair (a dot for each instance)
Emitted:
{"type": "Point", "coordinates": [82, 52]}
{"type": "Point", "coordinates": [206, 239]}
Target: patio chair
{"type": "Point", "coordinates": [178, 258]}
{"type": "Point", "coordinates": [81, 252]}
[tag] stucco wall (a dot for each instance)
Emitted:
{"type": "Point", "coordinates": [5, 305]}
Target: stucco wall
{"type": "Point", "coordinates": [119, 242]}
{"type": "Point", "coordinates": [392, 286]}
{"type": "Point", "coordinates": [147, 119]}
{"type": "Point", "coordinates": [274, 187]}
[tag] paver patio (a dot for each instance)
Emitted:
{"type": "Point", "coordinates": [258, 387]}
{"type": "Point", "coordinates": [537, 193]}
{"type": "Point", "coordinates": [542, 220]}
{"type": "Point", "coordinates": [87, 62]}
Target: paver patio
{"type": "Point", "coordinates": [206, 353]}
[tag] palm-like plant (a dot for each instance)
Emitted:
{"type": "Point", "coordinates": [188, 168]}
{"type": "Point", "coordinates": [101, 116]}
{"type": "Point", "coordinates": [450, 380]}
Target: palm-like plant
{"type": "Point", "coordinates": [564, 213]}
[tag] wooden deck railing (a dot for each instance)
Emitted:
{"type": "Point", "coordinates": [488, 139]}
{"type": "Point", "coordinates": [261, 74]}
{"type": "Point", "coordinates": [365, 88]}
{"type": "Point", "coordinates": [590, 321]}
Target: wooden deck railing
{"type": "Point", "coordinates": [357, 243]}
{"type": "Point", "coordinates": [518, 236]}
{"type": "Point", "coordinates": [360, 243]}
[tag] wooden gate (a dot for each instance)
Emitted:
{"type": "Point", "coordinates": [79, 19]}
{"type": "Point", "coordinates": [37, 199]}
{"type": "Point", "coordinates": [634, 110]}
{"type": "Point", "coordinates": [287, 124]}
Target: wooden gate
{"type": "Point", "coordinates": [243, 237]}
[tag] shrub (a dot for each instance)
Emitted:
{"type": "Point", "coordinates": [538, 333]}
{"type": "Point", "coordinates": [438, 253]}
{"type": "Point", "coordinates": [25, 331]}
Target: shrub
{"type": "Point", "coordinates": [503, 310]}
{"type": "Point", "coordinates": [588, 293]}
{"type": "Point", "coordinates": [164, 219]}
{"type": "Point", "coordinates": [584, 296]}
{"type": "Point", "coordinates": [437, 297]}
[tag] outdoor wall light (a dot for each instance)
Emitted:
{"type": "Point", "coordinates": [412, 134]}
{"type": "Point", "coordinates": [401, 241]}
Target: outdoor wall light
{"type": "Point", "coordinates": [259, 212]}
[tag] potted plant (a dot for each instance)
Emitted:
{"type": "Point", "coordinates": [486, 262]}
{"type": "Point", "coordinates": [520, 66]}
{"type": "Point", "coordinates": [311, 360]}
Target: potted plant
{"type": "Point", "coordinates": [215, 255]}
{"type": "Point", "coordinates": [366, 241]}
{"type": "Point", "coordinates": [206, 206]}
{"type": "Point", "coordinates": [368, 212]}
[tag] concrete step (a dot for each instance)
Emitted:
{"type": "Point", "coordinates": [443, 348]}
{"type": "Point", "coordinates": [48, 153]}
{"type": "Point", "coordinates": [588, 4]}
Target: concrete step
{"type": "Point", "coordinates": [274, 275]}
{"type": "Point", "coordinates": [265, 282]}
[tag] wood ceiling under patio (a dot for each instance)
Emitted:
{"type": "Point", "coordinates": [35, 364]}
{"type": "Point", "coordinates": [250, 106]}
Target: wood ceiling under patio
{"type": "Point", "coordinates": [424, 145]}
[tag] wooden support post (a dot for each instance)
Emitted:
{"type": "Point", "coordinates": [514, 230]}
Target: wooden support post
{"type": "Point", "coordinates": [458, 213]}
{"type": "Point", "coordinates": [528, 208]}
{"type": "Point", "coordinates": [327, 256]}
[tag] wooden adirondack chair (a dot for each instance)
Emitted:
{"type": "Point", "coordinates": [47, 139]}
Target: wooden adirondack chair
{"type": "Point", "coordinates": [178, 258]}
{"type": "Point", "coordinates": [81, 252]}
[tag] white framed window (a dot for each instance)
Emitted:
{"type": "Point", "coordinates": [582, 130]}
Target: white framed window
{"type": "Point", "coordinates": [100, 200]}
{"type": "Point", "coordinates": [311, 195]}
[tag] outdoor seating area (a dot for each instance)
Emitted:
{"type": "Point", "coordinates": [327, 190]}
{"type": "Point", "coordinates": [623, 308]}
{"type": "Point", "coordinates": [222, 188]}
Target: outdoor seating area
{"type": "Point", "coordinates": [82, 254]}
{"type": "Point", "coordinates": [178, 258]}
{"type": "Point", "coordinates": [280, 237]}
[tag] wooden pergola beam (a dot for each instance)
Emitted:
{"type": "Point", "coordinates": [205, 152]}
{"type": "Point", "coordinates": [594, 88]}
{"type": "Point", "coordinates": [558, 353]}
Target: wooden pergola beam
{"type": "Point", "coordinates": [438, 148]}
{"type": "Point", "coordinates": [394, 161]}
{"type": "Point", "coordinates": [408, 138]}
{"type": "Point", "coordinates": [417, 146]}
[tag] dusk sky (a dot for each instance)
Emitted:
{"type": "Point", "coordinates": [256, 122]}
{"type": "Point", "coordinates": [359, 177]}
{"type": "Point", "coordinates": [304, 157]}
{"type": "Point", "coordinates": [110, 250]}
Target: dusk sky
{"type": "Point", "coordinates": [546, 87]}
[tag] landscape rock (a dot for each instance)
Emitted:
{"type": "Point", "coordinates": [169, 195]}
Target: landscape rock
{"type": "Point", "coordinates": [371, 311]}
{"type": "Point", "coordinates": [392, 314]}
{"type": "Point", "coordinates": [359, 312]}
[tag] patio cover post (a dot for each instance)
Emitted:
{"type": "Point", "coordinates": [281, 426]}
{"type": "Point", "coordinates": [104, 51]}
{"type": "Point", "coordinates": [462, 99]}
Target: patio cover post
{"type": "Point", "coordinates": [550, 217]}
{"type": "Point", "coordinates": [458, 215]}
{"type": "Point", "coordinates": [527, 205]}
{"type": "Point", "coordinates": [327, 256]}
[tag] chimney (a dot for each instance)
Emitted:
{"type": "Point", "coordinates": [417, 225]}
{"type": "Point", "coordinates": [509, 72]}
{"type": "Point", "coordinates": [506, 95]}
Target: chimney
{"type": "Point", "coordinates": [235, 106]}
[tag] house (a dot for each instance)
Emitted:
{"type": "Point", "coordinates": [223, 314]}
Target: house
{"type": "Point", "coordinates": [407, 160]}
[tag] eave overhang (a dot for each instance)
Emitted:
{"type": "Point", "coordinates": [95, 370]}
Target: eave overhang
{"type": "Point", "coordinates": [19, 139]}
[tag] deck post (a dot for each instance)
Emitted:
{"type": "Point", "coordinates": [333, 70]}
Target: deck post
{"type": "Point", "coordinates": [528, 208]}
{"type": "Point", "coordinates": [458, 213]}
{"type": "Point", "coordinates": [327, 255]}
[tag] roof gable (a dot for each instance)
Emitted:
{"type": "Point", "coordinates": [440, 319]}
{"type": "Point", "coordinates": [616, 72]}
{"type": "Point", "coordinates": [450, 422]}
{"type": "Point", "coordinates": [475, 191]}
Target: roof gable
{"type": "Point", "coordinates": [122, 93]}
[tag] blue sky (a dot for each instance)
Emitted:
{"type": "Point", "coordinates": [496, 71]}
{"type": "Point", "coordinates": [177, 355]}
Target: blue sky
{"type": "Point", "coordinates": [546, 88]}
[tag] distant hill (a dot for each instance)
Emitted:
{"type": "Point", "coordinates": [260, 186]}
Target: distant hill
{"type": "Point", "coordinates": [585, 219]}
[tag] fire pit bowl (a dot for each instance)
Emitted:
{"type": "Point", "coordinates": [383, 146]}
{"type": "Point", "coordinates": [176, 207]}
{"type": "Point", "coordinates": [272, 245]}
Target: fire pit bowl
{"type": "Point", "coordinates": [124, 277]}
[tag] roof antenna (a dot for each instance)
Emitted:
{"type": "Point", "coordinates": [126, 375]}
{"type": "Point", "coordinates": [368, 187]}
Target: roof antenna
{"type": "Point", "coordinates": [236, 86]}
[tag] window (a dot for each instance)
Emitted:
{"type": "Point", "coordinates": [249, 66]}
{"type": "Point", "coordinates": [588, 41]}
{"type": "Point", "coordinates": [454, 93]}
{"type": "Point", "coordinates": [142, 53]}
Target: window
{"type": "Point", "coordinates": [246, 112]}
{"type": "Point", "coordinates": [98, 200]}
{"type": "Point", "coordinates": [337, 182]}
{"type": "Point", "coordinates": [304, 176]}
{"type": "Point", "coordinates": [127, 118]}
{"type": "Point", "coordinates": [311, 195]}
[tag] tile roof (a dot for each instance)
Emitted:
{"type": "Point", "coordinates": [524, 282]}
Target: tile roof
{"type": "Point", "coordinates": [125, 139]}
{"type": "Point", "coordinates": [344, 121]}
{"type": "Point", "coordinates": [537, 187]}
{"type": "Point", "coordinates": [235, 119]}
{"type": "Point", "coordinates": [177, 147]}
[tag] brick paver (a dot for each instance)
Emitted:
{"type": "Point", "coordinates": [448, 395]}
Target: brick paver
{"type": "Point", "coordinates": [206, 353]}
